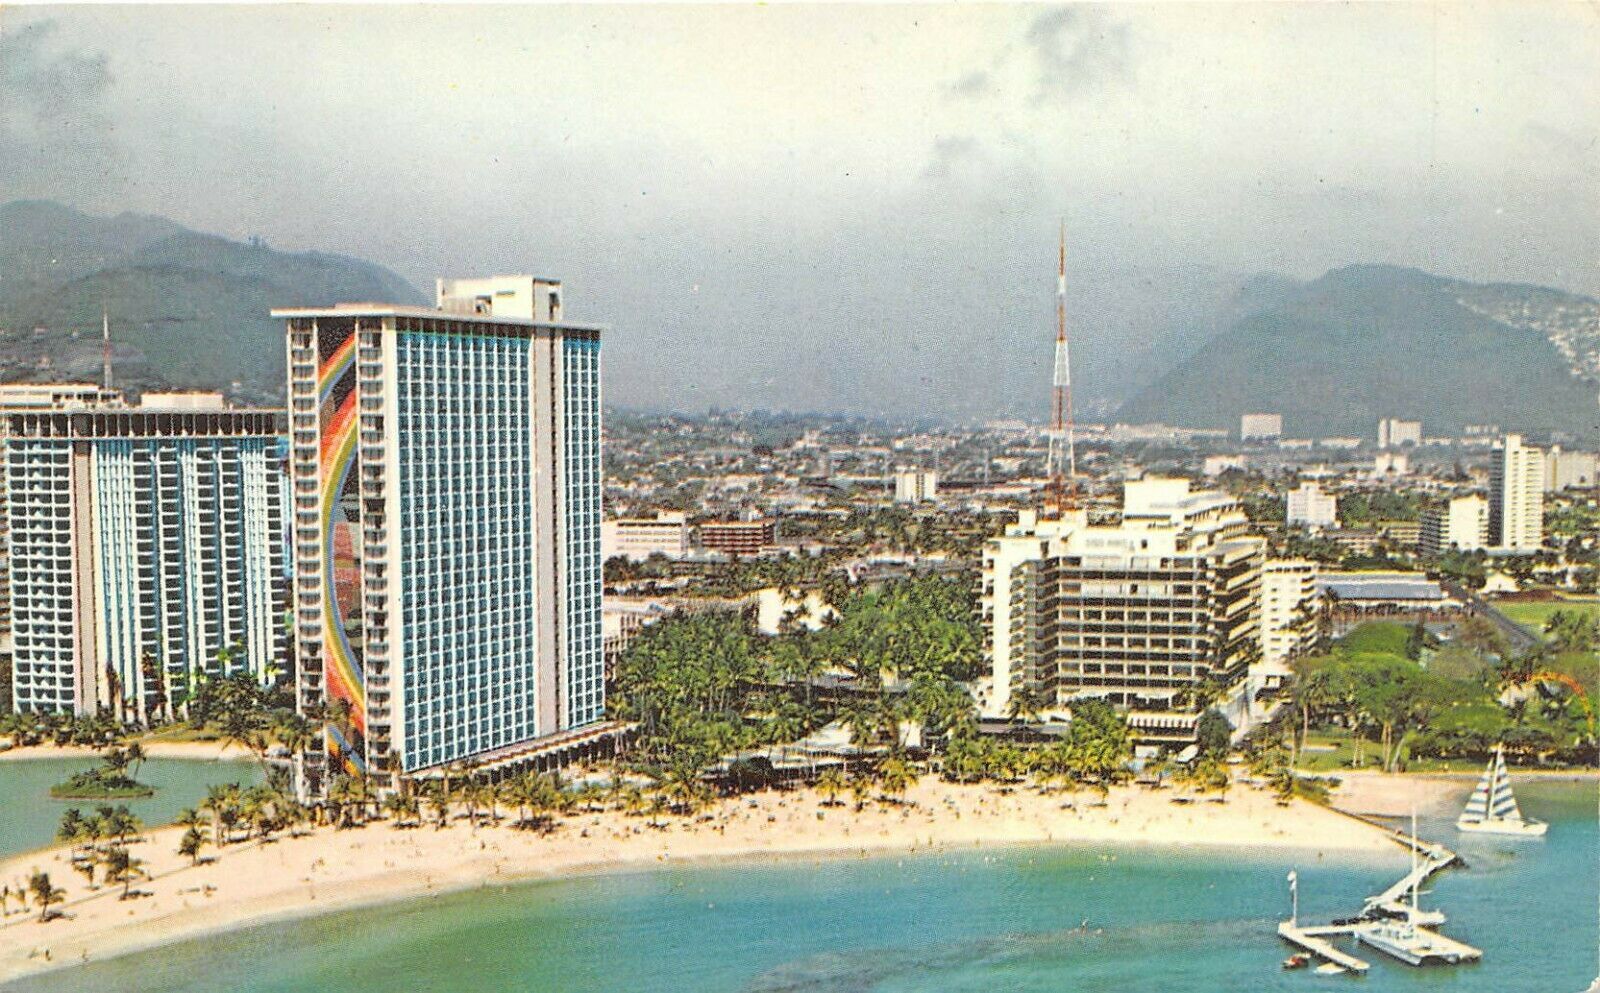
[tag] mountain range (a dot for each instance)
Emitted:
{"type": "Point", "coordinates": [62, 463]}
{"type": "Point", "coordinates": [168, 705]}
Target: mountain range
{"type": "Point", "coordinates": [1192, 347]}
{"type": "Point", "coordinates": [1336, 354]}
{"type": "Point", "coordinates": [187, 310]}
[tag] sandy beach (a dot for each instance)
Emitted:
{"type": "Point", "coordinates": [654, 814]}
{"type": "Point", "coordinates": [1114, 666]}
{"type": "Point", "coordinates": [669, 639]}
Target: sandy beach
{"type": "Point", "coordinates": [199, 750]}
{"type": "Point", "coordinates": [330, 869]}
{"type": "Point", "coordinates": [1390, 794]}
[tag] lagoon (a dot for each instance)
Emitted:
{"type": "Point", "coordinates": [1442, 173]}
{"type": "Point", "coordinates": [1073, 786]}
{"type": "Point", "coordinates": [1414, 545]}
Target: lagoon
{"type": "Point", "coordinates": [29, 815]}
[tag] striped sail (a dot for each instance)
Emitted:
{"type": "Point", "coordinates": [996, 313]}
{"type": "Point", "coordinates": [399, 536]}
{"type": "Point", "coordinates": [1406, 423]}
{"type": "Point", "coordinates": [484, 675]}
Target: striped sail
{"type": "Point", "coordinates": [1492, 799]}
{"type": "Point", "coordinates": [1502, 805]}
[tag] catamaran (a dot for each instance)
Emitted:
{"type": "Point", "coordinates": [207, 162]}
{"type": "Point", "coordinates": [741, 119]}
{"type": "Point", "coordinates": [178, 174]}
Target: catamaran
{"type": "Point", "coordinates": [1493, 809]}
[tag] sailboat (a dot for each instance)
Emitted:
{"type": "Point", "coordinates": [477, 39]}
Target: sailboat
{"type": "Point", "coordinates": [1493, 809]}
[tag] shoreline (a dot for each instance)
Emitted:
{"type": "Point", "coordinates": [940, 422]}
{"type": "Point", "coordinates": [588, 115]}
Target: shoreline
{"type": "Point", "coordinates": [329, 870]}
{"type": "Point", "coordinates": [206, 751]}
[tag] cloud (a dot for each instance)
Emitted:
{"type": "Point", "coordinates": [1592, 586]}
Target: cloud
{"type": "Point", "coordinates": [1064, 52]}
{"type": "Point", "coordinates": [53, 118]}
{"type": "Point", "coordinates": [950, 153]}
{"type": "Point", "coordinates": [1075, 48]}
{"type": "Point", "coordinates": [979, 82]}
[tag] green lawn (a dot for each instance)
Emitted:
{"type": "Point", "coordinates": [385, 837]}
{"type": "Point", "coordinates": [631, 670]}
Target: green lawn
{"type": "Point", "coordinates": [1377, 636]}
{"type": "Point", "coordinates": [1333, 751]}
{"type": "Point", "coordinates": [1532, 614]}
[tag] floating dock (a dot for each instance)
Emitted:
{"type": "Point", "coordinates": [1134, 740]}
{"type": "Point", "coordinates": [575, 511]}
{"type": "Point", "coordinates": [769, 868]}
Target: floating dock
{"type": "Point", "coordinates": [1392, 903]}
{"type": "Point", "coordinates": [1315, 940]}
{"type": "Point", "coordinates": [1388, 923]}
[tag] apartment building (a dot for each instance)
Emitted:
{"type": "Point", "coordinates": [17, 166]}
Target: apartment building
{"type": "Point", "coordinates": [148, 552]}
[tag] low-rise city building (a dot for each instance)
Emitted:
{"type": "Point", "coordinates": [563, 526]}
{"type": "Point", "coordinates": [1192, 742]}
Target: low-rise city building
{"type": "Point", "coordinates": [739, 538]}
{"type": "Point", "coordinates": [1308, 505]}
{"type": "Point", "coordinates": [638, 538]}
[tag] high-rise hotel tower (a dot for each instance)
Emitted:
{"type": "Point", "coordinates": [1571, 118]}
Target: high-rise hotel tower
{"type": "Point", "coordinates": [148, 551]}
{"type": "Point", "coordinates": [446, 478]}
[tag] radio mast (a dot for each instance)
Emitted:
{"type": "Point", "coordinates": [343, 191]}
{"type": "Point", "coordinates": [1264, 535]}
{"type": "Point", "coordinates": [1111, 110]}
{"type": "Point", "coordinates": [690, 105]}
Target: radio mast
{"type": "Point", "coordinates": [1063, 486]}
{"type": "Point", "coordinates": [105, 347]}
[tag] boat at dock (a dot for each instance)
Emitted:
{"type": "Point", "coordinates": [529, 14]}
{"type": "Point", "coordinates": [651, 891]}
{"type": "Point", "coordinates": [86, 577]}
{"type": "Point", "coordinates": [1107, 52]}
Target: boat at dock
{"type": "Point", "coordinates": [1392, 922]}
{"type": "Point", "coordinates": [1412, 944]}
{"type": "Point", "coordinates": [1493, 809]}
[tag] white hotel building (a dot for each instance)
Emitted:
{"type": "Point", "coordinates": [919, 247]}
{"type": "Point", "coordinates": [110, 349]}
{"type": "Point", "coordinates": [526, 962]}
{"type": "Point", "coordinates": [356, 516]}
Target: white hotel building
{"type": "Point", "coordinates": [1145, 614]}
{"type": "Point", "coordinates": [147, 551]}
{"type": "Point", "coordinates": [446, 471]}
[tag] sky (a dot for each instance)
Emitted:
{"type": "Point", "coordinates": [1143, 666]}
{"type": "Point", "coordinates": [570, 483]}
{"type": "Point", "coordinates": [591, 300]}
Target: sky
{"type": "Point", "coordinates": [839, 207]}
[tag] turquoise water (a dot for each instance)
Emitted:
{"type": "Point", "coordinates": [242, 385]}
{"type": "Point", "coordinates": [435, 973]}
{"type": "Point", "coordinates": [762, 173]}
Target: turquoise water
{"type": "Point", "coordinates": [29, 815]}
{"type": "Point", "coordinates": [1006, 920]}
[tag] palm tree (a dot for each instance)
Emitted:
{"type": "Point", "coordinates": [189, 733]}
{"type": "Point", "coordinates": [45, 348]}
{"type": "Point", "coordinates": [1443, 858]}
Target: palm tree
{"type": "Point", "coordinates": [438, 801]}
{"type": "Point", "coordinates": [191, 843]}
{"type": "Point", "coordinates": [135, 755]}
{"type": "Point", "coordinates": [73, 829]}
{"type": "Point", "coordinates": [829, 785]}
{"type": "Point", "coordinates": [861, 788]}
{"type": "Point", "coordinates": [122, 867]}
{"type": "Point", "coordinates": [120, 824]}
{"type": "Point", "coordinates": [342, 796]}
{"type": "Point", "coordinates": [895, 777]}
{"type": "Point", "coordinates": [221, 801]}
{"type": "Point", "coordinates": [44, 894]}
{"type": "Point", "coordinates": [1027, 704]}
{"type": "Point", "coordinates": [403, 807]}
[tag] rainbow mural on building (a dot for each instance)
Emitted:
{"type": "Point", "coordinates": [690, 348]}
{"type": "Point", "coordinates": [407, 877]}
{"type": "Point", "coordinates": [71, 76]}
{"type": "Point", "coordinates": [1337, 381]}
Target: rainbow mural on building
{"type": "Point", "coordinates": [342, 669]}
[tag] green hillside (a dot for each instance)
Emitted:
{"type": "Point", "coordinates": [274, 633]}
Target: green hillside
{"type": "Point", "coordinates": [1374, 341]}
{"type": "Point", "coordinates": [188, 310]}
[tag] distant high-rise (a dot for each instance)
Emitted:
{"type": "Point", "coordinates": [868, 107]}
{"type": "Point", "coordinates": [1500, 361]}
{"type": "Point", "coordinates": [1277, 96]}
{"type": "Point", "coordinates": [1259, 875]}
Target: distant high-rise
{"type": "Point", "coordinates": [1461, 524]}
{"type": "Point", "coordinates": [1288, 610]}
{"type": "Point", "coordinates": [1394, 432]}
{"type": "Point", "coordinates": [446, 467]}
{"type": "Point", "coordinates": [916, 486]}
{"type": "Point", "coordinates": [1310, 506]}
{"type": "Point", "coordinates": [1260, 427]}
{"type": "Point", "coordinates": [1516, 496]}
{"type": "Point", "coordinates": [147, 552]}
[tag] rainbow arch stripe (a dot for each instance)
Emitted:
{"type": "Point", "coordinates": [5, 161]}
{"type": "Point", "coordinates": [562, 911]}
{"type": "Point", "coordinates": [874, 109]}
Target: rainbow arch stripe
{"type": "Point", "coordinates": [336, 458]}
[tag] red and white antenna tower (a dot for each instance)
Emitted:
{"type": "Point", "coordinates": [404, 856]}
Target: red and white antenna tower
{"type": "Point", "coordinates": [1063, 486]}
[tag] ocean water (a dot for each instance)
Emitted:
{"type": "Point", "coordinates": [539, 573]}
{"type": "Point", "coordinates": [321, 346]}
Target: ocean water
{"type": "Point", "coordinates": [1129, 920]}
{"type": "Point", "coordinates": [29, 815]}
